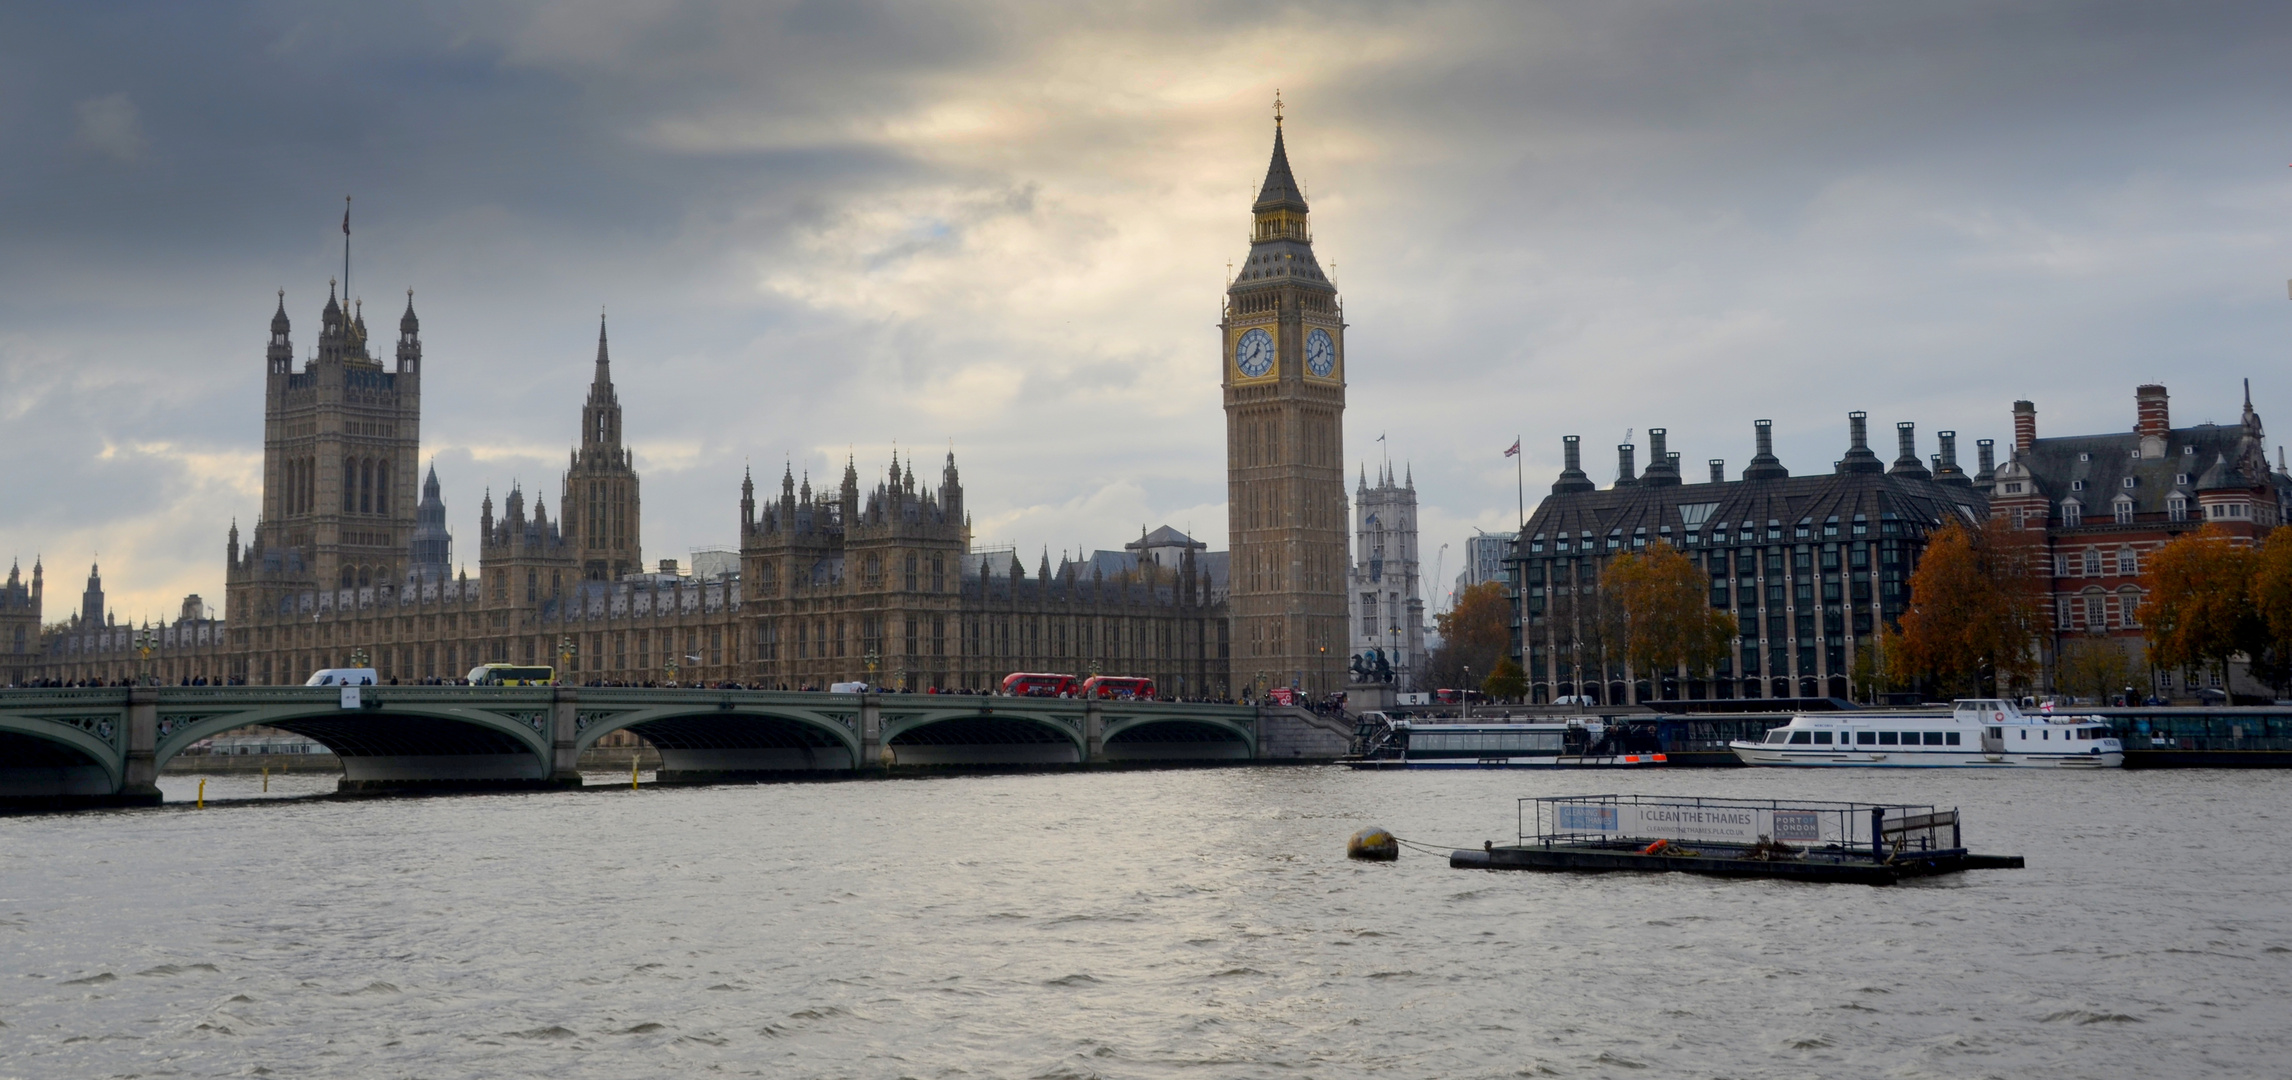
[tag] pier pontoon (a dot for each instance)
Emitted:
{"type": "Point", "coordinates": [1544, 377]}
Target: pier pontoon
{"type": "Point", "coordinates": [1865, 843]}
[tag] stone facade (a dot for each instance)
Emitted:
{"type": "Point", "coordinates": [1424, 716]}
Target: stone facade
{"type": "Point", "coordinates": [1282, 370]}
{"type": "Point", "coordinates": [827, 588]}
{"type": "Point", "coordinates": [20, 645]}
{"type": "Point", "coordinates": [1384, 587]}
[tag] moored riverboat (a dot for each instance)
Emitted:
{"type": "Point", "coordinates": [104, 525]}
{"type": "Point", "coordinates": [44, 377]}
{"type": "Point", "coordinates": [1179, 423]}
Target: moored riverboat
{"type": "Point", "coordinates": [1975, 733]}
{"type": "Point", "coordinates": [1580, 742]}
{"type": "Point", "coordinates": [1817, 841]}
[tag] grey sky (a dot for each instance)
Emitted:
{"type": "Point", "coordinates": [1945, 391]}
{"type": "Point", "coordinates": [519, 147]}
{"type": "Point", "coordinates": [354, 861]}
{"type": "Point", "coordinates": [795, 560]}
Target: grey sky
{"type": "Point", "coordinates": [822, 229]}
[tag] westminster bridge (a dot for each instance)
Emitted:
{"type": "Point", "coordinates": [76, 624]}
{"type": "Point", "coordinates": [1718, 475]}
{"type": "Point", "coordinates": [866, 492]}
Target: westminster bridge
{"type": "Point", "coordinates": [106, 745]}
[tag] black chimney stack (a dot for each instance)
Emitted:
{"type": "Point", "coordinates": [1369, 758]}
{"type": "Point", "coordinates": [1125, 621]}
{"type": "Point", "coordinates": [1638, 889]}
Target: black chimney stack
{"type": "Point", "coordinates": [1572, 478]}
{"type": "Point", "coordinates": [1764, 465]}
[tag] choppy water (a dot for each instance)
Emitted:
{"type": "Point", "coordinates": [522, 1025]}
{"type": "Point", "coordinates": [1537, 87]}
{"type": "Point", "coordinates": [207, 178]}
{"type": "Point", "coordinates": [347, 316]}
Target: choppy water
{"type": "Point", "coordinates": [1188, 923]}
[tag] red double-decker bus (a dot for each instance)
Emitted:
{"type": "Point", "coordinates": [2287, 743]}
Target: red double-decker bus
{"type": "Point", "coordinates": [1124, 687]}
{"type": "Point", "coordinates": [1038, 684]}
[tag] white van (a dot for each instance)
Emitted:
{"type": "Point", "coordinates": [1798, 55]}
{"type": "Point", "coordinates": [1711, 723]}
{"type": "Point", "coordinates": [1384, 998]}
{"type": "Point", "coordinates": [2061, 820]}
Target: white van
{"type": "Point", "coordinates": [342, 676]}
{"type": "Point", "coordinates": [848, 688]}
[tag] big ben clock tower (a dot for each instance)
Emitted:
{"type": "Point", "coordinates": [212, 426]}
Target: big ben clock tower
{"type": "Point", "coordinates": [1283, 363]}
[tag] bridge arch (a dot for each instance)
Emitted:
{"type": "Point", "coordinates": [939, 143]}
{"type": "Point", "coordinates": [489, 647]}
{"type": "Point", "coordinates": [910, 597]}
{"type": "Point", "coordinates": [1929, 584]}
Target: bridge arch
{"type": "Point", "coordinates": [1026, 735]}
{"type": "Point", "coordinates": [698, 738]}
{"type": "Point", "coordinates": [398, 742]}
{"type": "Point", "coordinates": [42, 759]}
{"type": "Point", "coordinates": [1191, 738]}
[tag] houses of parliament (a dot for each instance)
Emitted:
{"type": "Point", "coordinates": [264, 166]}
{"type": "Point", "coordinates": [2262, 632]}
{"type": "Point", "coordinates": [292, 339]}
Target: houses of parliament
{"type": "Point", "coordinates": [873, 579]}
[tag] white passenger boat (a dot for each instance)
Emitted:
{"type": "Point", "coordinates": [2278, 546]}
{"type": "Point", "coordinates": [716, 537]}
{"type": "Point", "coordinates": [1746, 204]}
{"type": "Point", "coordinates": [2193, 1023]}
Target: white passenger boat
{"type": "Point", "coordinates": [1976, 732]}
{"type": "Point", "coordinates": [1577, 742]}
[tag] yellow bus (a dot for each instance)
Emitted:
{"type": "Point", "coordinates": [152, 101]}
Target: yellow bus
{"type": "Point", "coordinates": [512, 675]}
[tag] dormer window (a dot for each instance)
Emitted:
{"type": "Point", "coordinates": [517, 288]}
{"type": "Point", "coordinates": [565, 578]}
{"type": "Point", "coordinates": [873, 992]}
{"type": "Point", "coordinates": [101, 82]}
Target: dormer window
{"type": "Point", "coordinates": [2177, 508]}
{"type": "Point", "coordinates": [2085, 457]}
{"type": "Point", "coordinates": [2181, 479]}
{"type": "Point", "coordinates": [2187, 451]}
{"type": "Point", "coordinates": [2077, 485]}
{"type": "Point", "coordinates": [2013, 488]}
{"type": "Point", "coordinates": [2132, 481]}
{"type": "Point", "coordinates": [2123, 507]}
{"type": "Point", "coordinates": [2072, 514]}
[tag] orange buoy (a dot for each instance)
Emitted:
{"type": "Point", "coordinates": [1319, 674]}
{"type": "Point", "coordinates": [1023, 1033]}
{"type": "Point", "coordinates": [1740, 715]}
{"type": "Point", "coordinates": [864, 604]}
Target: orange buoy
{"type": "Point", "coordinates": [1655, 848]}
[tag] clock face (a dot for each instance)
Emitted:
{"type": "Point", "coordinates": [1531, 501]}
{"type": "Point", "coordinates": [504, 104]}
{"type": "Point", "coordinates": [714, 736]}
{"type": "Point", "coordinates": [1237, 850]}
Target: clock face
{"type": "Point", "coordinates": [1320, 354]}
{"type": "Point", "coordinates": [1253, 353]}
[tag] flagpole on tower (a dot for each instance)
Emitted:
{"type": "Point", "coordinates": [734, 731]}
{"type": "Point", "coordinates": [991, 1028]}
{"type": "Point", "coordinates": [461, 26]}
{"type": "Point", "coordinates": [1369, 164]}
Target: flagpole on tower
{"type": "Point", "coordinates": [346, 251]}
{"type": "Point", "coordinates": [1520, 482]}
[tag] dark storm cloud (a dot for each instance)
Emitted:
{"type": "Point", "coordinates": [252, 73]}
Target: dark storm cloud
{"type": "Point", "coordinates": [840, 224]}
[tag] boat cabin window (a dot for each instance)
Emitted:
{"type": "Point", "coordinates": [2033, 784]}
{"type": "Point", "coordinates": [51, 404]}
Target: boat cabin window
{"type": "Point", "coordinates": [1866, 738]}
{"type": "Point", "coordinates": [1802, 736]}
{"type": "Point", "coordinates": [1778, 735]}
{"type": "Point", "coordinates": [1889, 738]}
{"type": "Point", "coordinates": [1934, 738]}
{"type": "Point", "coordinates": [1950, 737]}
{"type": "Point", "coordinates": [2025, 735]}
{"type": "Point", "coordinates": [1822, 737]}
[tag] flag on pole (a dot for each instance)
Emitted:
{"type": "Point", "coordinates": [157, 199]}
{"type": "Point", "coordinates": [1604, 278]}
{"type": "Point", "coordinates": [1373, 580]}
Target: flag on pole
{"type": "Point", "coordinates": [1515, 450]}
{"type": "Point", "coordinates": [345, 217]}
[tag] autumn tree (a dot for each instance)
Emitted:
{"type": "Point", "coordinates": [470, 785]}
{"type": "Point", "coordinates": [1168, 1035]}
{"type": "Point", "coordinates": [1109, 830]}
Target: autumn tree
{"type": "Point", "coordinates": [2097, 666]}
{"type": "Point", "coordinates": [1976, 608]}
{"type": "Point", "coordinates": [2271, 590]}
{"type": "Point", "coordinates": [1657, 607]}
{"type": "Point", "coordinates": [1877, 665]}
{"type": "Point", "coordinates": [1475, 632]}
{"type": "Point", "coordinates": [2200, 609]}
{"type": "Point", "coordinates": [1506, 682]}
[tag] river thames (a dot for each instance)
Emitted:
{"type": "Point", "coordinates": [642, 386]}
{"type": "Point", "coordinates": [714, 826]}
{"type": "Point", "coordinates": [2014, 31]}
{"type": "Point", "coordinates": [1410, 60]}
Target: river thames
{"type": "Point", "coordinates": [1193, 923]}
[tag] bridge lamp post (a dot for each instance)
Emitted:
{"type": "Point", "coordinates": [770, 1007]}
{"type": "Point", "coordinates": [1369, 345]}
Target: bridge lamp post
{"type": "Point", "coordinates": [145, 641]}
{"type": "Point", "coordinates": [359, 659]}
{"type": "Point", "coordinates": [670, 670]}
{"type": "Point", "coordinates": [899, 677]}
{"type": "Point", "coordinates": [567, 649]}
{"type": "Point", "coordinates": [872, 659]}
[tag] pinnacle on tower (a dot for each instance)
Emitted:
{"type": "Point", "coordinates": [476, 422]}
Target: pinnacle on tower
{"type": "Point", "coordinates": [604, 363]}
{"type": "Point", "coordinates": [1280, 191]}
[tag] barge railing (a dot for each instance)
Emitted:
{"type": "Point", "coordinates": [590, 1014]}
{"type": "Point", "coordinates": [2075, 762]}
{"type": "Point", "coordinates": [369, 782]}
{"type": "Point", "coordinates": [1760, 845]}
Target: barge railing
{"type": "Point", "coordinates": [1878, 830]}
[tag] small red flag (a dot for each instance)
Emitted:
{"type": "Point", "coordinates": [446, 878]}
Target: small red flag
{"type": "Point", "coordinates": [1515, 451]}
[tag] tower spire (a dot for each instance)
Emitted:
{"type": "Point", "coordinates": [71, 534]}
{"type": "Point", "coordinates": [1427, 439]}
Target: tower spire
{"type": "Point", "coordinates": [604, 363]}
{"type": "Point", "coordinates": [1280, 191]}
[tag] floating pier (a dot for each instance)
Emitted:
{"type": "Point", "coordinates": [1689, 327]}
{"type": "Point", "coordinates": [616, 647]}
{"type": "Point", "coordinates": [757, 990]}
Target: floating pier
{"type": "Point", "coordinates": [1855, 843]}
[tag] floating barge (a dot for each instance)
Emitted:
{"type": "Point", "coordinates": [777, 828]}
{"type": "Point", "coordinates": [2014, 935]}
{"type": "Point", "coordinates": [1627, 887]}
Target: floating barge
{"type": "Point", "coordinates": [1854, 843]}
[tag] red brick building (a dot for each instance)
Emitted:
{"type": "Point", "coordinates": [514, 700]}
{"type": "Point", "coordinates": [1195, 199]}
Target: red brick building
{"type": "Point", "coordinates": [2105, 502]}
